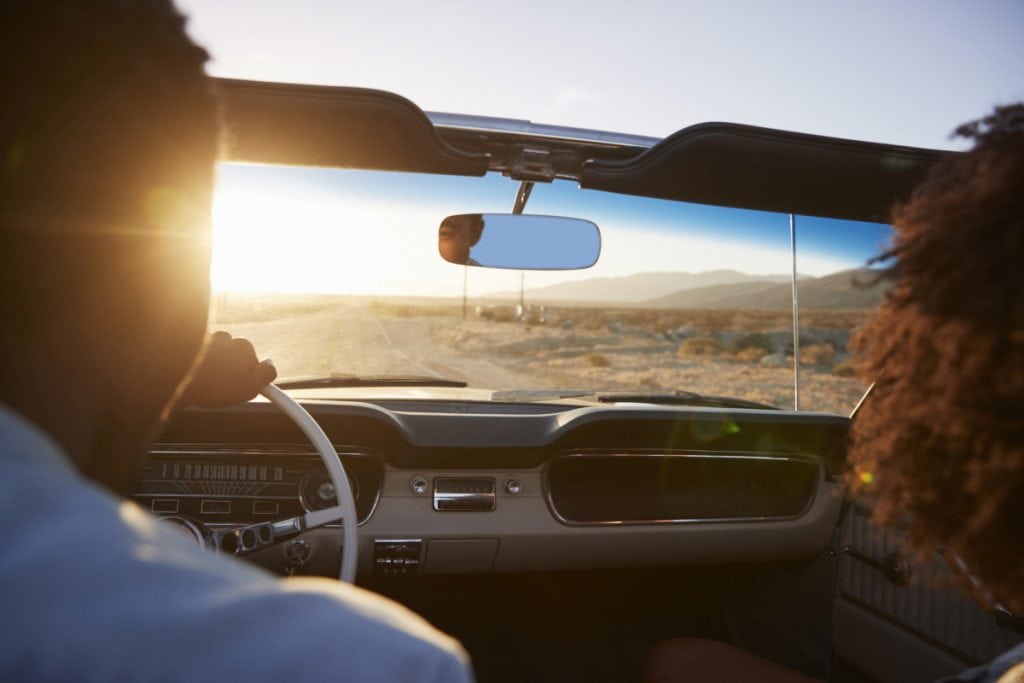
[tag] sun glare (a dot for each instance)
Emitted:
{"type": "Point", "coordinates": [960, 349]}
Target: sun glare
{"type": "Point", "coordinates": [289, 239]}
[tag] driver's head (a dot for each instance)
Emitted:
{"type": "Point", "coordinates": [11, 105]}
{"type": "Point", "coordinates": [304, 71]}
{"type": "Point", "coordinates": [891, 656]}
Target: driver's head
{"type": "Point", "coordinates": [942, 435]}
{"type": "Point", "coordinates": [108, 136]}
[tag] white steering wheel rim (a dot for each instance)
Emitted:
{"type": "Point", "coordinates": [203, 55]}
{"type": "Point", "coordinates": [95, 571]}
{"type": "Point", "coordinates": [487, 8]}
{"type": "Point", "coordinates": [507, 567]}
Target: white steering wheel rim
{"type": "Point", "coordinates": [346, 508]}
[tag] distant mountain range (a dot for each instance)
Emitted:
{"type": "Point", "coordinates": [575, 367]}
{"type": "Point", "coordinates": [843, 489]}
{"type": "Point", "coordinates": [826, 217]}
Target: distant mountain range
{"type": "Point", "coordinates": [640, 287]}
{"type": "Point", "coordinates": [857, 288]}
{"type": "Point", "coordinates": [717, 289]}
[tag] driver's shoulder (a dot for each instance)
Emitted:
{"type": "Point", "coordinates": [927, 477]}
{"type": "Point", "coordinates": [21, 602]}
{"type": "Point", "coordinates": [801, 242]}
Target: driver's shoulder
{"type": "Point", "coordinates": [87, 570]}
{"type": "Point", "coordinates": [372, 637]}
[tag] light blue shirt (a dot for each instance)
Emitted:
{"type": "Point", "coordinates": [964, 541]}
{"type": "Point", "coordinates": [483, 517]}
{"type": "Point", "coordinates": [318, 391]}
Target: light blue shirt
{"type": "Point", "coordinates": [92, 589]}
{"type": "Point", "coordinates": [994, 671]}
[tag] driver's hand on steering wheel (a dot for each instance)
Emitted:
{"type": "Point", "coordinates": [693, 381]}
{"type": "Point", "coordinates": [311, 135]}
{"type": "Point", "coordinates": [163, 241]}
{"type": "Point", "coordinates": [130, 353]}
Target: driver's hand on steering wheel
{"type": "Point", "coordinates": [230, 373]}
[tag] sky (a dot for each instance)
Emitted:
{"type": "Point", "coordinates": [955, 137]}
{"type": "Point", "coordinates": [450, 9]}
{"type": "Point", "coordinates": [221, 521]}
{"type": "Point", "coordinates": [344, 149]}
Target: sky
{"type": "Point", "coordinates": [905, 72]}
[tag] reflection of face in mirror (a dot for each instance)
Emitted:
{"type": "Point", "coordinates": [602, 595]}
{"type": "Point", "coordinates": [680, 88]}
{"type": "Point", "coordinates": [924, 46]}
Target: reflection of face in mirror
{"type": "Point", "coordinates": [457, 235]}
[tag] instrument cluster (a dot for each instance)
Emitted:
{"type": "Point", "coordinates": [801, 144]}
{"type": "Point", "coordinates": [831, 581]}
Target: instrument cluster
{"type": "Point", "coordinates": [245, 484]}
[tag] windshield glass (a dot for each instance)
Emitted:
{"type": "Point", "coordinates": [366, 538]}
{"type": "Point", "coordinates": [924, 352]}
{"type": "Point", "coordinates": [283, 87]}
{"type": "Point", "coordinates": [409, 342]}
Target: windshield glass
{"type": "Point", "coordinates": [333, 271]}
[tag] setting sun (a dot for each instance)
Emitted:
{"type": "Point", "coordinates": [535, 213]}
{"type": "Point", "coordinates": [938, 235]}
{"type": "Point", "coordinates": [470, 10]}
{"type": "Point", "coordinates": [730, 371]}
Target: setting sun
{"type": "Point", "coordinates": [286, 238]}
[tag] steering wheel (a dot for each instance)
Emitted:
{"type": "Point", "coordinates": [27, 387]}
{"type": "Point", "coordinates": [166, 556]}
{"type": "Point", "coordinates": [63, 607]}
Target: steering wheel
{"type": "Point", "coordinates": [243, 540]}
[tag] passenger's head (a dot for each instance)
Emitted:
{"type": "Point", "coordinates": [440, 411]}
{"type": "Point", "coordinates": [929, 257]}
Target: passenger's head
{"type": "Point", "coordinates": [108, 137]}
{"type": "Point", "coordinates": [457, 235]}
{"type": "Point", "coordinates": [942, 434]}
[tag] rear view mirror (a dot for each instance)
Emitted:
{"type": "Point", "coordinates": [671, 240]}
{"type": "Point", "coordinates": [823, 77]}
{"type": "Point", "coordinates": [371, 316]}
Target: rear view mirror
{"type": "Point", "coordinates": [518, 241]}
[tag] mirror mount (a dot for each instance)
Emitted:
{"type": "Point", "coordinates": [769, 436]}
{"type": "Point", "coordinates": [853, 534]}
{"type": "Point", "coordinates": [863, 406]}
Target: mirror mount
{"type": "Point", "coordinates": [533, 165]}
{"type": "Point", "coordinates": [522, 196]}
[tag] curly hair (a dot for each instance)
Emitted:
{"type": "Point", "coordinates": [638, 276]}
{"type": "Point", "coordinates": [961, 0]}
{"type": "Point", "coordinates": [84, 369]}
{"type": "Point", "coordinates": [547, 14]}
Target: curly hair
{"type": "Point", "coordinates": [942, 435]}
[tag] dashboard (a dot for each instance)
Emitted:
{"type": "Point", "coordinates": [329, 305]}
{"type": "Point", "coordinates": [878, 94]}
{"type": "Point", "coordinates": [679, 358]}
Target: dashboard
{"type": "Point", "coordinates": [450, 487]}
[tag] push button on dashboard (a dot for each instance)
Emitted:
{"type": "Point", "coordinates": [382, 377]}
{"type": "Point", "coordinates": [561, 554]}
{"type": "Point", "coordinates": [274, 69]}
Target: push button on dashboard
{"type": "Point", "coordinates": [419, 485]}
{"type": "Point", "coordinates": [396, 557]}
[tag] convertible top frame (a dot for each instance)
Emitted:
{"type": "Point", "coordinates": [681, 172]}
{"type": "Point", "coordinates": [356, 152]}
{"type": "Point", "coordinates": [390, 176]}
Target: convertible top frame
{"type": "Point", "coordinates": [723, 164]}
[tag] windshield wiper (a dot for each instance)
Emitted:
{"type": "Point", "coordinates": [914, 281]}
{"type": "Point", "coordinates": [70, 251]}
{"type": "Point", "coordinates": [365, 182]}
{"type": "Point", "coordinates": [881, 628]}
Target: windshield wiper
{"type": "Point", "coordinates": [679, 398]}
{"type": "Point", "coordinates": [340, 381]}
{"type": "Point", "coordinates": [675, 397]}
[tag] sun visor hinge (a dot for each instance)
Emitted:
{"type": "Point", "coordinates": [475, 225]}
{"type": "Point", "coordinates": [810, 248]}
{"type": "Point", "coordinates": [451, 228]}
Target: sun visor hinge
{"type": "Point", "coordinates": [533, 165]}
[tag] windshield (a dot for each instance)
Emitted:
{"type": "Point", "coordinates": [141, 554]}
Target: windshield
{"type": "Point", "coordinates": [333, 271]}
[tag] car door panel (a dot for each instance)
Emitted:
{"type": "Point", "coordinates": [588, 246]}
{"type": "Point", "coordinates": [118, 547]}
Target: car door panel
{"type": "Point", "coordinates": [918, 632]}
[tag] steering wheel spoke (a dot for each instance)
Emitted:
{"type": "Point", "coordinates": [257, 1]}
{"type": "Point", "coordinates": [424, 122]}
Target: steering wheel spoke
{"type": "Point", "coordinates": [246, 539]}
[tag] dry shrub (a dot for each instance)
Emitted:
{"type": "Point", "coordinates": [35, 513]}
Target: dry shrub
{"type": "Point", "coordinates": [817, 354]}
{"type": "Point", "coordinates": [596, 321]}
{"type": "Point", "coordinates": [738, 320]}
{"type": "Point", "coordinates": [663, 324]}
{"type": "Point", "coordinates": [750, 355]}
{"type": "Point", "coordinates": [699, 346]}
{"type": "Point", "coordinates": [503, 314]}
{"type": "Point", "coordinates": [599, 360]}
{"type": "Point", "coordinates": [845, 368]}
{"type": "Point", "coordinates": [405, 309]}
{"type": "Point", "coordinates": [755, 341]}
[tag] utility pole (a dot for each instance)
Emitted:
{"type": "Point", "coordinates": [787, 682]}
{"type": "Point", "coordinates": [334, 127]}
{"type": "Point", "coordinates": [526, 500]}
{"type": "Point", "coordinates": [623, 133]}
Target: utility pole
{"type": "Point", "coordinates": [522, 196]}
{"type": "Point", "coordinates": [522, 295]}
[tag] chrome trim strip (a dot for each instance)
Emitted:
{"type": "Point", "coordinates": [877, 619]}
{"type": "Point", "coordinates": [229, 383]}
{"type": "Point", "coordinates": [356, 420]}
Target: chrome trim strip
{"type": "Point", "coordinates": [210, 496]}
{"type": "Point", "coordinates": [287, 527]}
{"type": "Point", "coordinates": [246, 449]}
{"type": "Point", "coordinates": [703, 455]}
{"type": "Point", "coordinates": [491, 124]}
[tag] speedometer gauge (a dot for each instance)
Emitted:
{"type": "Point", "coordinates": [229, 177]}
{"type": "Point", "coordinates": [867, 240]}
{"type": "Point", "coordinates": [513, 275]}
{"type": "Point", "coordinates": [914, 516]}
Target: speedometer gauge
{"type": "Point", "coordinates": [316, 490]}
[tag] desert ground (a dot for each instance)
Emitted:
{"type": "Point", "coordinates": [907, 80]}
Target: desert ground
{"type": "Point", "coordinates": [740, 353]}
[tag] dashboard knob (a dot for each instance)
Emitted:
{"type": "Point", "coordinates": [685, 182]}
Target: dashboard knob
{"type": "Point", "coordinates": [513, 486]}
{"type": "Point", "coordinates": [298, 551]}
{"type": "Point", "coordinates": [419, 485]}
